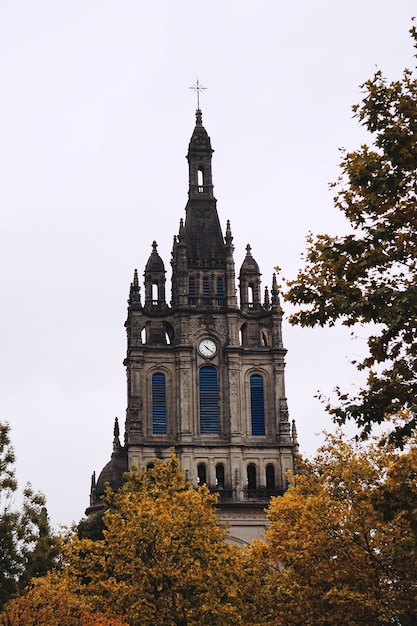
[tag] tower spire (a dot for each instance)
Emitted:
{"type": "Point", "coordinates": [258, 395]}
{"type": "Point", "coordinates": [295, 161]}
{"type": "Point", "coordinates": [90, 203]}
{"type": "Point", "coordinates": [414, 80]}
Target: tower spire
{"type": "Point", "coordinates": [202, 231]}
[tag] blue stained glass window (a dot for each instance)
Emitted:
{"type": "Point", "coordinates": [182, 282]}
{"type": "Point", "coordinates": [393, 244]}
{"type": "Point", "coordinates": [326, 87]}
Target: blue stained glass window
{"type": "Point", "coordinates": [257, 404]}
{"type": "Point", "coordinates": [220, 287]}
{"type": "Point", "coordinates": [209, 400]}
{"type": "Point", "coordinates": [159, 405]}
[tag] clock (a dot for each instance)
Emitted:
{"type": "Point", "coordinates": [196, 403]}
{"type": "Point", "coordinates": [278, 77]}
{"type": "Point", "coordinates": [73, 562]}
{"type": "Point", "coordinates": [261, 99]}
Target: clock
{"type": "Point", "coordinates": [207, 348]}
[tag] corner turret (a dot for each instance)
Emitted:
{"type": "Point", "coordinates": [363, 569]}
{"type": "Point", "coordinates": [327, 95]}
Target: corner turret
{"type": "Point", "coordinates": [155, 280]}
{"type": "Point", "coordinates": [250, 282]}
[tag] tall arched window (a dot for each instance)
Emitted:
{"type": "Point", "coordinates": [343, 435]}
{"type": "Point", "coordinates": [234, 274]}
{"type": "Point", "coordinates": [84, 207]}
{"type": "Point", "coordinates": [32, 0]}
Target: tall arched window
{"type": "Point", "coordinates": [202, 474]}
{"type": "Point", "coordinates": [270, 477]}
{"type": "Point", "coordinates": [159, 405]}
{"type": "Point", "coordinates": [220, 476]}
{"type": "Point", "coordinates": [200, 179]}
{"type": "Point", "coordinates": [250, 296]}
{"type": "Point", "coordinates": [209, 400]}
{"type": "Point", "coordinates": [257, 404]}
{"type": "Point", "coordinates": [251, 476]}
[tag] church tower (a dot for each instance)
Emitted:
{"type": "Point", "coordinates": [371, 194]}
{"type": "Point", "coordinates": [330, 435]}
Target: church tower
{"type": "Point", "coordinates": [205, 372]}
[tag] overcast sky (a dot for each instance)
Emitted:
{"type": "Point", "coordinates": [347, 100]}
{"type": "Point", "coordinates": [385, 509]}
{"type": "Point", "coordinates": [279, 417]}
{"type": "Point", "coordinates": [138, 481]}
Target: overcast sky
{"type": "Point", "coordinates": [96, 116]}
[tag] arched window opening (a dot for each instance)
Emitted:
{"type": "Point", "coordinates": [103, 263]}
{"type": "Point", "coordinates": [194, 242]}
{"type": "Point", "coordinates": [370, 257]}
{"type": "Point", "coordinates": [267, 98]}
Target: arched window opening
{"type": "Point", "coordinates": [206, 286]}
{"type": "Point", "coordinates": [191, 286]}
{"type": "Point", "coordinates": [250, 296]}
{"type": "Point", "coordinates": [169, 333]}
{"type": "Point", "coordinates": [220, 476]}
{"type": "Point", "coordinates": [251, 473]}
{"type": "Point", "coordinates": [143, 335]}
{"type": "Point", "coordinates": [242, 335]}
{"type": "Point", "coordinates": [159, 405]}
{"type": "Point", "coordinates": [155, 292]}
{"type": "Point", "coordinates": [257, 404]}
{"type": "Point", "coordinates": [200, 179]}
{"type": "Point", "coordinates": [270, 477]}
{"type": "Point", "coordinates": [202, 474]}
{"type": "Point", "coordinates": [209, 401]}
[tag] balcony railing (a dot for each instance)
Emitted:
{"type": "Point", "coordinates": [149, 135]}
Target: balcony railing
{"type": "Point", "coordinates": [206, 302]}
{"type": "Point", "coordinates": [261, 494]}
{"type": "Point", "coordinates": [224, 494]}
{"type": "Point", "coordinates": [252, 495]}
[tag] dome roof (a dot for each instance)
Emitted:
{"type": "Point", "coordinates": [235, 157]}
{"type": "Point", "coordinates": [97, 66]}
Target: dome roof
{"type": "Point", "coordinates": [105, 477]}
{"type": "Point", "coordinates": [249, 265]}
{"type": "Point", "coordinates": [112, 473]}
{"type": "Point", "coordinates": [155, 263]}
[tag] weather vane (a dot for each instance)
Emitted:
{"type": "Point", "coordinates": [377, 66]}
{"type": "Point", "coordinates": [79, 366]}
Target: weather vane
{"type": "Point", "coordinates": [198, 88]}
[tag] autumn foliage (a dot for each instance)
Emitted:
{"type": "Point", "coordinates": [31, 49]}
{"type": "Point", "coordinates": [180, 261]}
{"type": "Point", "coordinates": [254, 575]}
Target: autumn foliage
{"type": "Point", "coordinates": [49, 602]}
{"type": "Point", "coordinates": [164, 559]}
{"type": "Point", "coordinates": [342, 546]}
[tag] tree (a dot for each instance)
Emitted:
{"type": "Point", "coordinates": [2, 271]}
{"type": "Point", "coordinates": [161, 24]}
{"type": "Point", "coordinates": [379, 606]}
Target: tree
{"type": "Point", "coordinates": [331, 555]}
{"type": "Point", "coordinates": [163, 559]}
{"type": "Point", "coordinates": [369, 277]}
{"type": "Point", "coordinates": [27, 546]}
{"type": "Point", "coordinates": [49, 601]}
{"type": "Point", "coordinates": [10, 560]}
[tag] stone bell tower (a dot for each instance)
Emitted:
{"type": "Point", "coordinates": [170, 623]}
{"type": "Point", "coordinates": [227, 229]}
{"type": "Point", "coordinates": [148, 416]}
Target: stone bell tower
{"type": "Point", "coordinates": [205, 372]}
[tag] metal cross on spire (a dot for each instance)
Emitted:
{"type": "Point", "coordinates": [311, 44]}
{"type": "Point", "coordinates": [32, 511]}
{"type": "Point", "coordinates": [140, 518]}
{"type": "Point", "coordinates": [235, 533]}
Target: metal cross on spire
{"type": "Point", "coordinates": [198, 88]}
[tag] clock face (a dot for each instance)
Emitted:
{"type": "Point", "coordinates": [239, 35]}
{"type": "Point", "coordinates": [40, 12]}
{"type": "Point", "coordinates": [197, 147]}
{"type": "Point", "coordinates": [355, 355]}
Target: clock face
{"type": "Point", "coordinates": [207, 348]}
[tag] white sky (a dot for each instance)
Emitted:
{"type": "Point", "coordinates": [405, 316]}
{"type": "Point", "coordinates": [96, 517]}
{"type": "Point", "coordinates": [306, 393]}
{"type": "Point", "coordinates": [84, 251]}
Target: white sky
{"type": "Point", "coordinates": [95, 120]}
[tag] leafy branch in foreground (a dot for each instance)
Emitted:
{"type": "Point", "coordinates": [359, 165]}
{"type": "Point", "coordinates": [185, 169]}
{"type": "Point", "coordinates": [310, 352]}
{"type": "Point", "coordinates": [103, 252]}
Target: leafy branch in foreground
{"type": "Point", "coordinates": [369, 277]}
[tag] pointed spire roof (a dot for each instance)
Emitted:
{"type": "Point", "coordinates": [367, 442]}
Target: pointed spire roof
{"type": "Point", "coordinates": [228, 238]}
{"type": "Point", "coordinates": [134, 293]}
{"type": "Point", "coordinates": [275, 291]}
{"type": "Point", "coordinates": [135, 283]}
{"type": "Point", "coordinates": [116, 433]}
{"type": "Point", "coordinates": [200, 140]}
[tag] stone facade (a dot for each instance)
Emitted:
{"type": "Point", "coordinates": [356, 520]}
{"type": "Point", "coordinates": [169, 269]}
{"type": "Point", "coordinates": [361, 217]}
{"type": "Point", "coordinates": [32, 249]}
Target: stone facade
{"type": "Point", "coordinates": [205, 373]}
